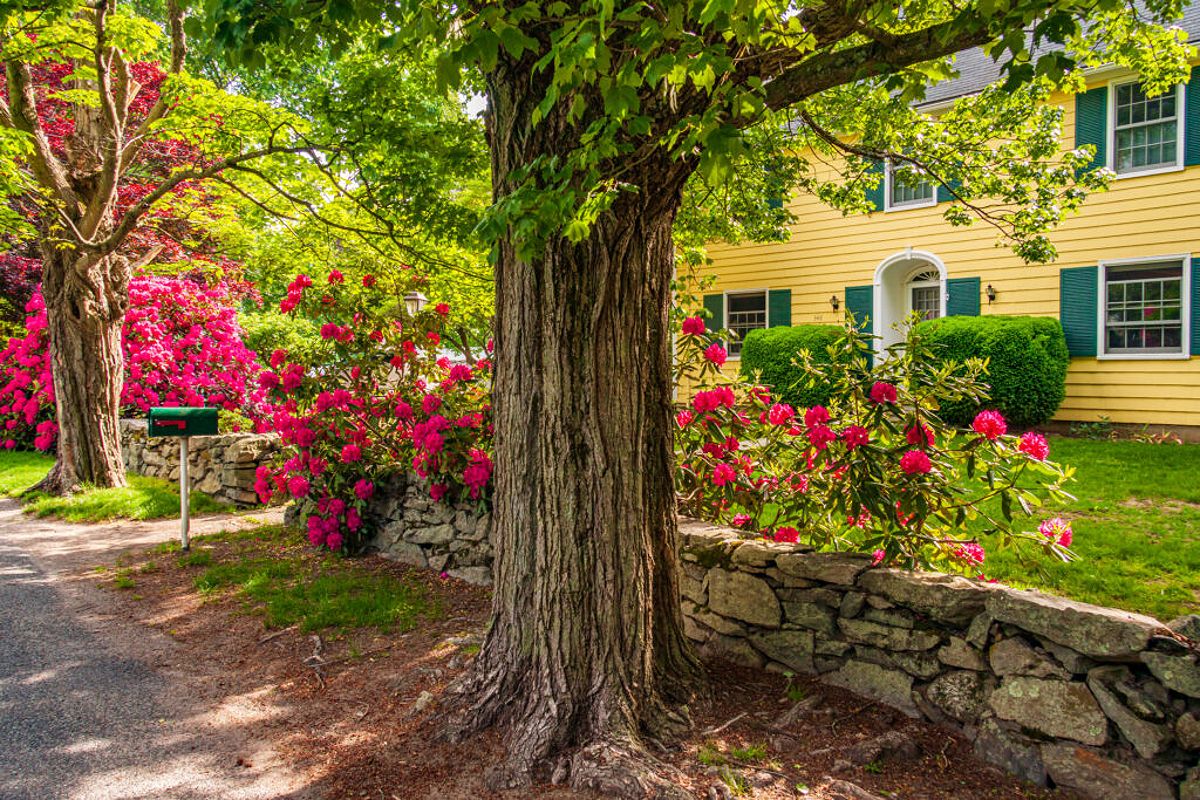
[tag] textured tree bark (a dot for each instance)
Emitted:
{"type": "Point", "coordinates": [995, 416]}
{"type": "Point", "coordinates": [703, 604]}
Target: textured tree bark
{"type": "Point", "coordinates": [586, 657]}
{"type": "Point", "coordinates": [86, 300]}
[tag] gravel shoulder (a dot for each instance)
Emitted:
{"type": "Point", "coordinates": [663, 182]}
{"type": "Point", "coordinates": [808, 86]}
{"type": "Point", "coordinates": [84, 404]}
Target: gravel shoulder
{"type": "Point", "coordinates": [96, 706]}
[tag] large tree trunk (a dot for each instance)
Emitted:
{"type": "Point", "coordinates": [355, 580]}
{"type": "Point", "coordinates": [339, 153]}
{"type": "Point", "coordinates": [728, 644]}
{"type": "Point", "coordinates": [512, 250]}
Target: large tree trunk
{"type": "Point", "coordinates": [86, 300]}
{"type": "Point", "coordinates": [586, 655]}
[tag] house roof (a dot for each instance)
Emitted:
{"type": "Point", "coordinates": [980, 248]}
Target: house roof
{"type": "Point", "coordinates": [977, 70]}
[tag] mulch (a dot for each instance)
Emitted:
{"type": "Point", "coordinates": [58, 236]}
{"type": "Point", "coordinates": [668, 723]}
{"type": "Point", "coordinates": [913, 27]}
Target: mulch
{"type": "Point", "coordinates": [363, 720]}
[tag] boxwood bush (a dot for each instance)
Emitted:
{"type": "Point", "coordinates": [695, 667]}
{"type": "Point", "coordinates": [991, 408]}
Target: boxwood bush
{"type": "Point", "coordinates": [1027, 364]}
{"type": "Point", "coordinates": [770, 352]}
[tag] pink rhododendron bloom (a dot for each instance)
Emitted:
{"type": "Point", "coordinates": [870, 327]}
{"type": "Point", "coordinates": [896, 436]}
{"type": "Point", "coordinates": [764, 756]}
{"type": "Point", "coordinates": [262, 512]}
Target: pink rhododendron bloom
{"type": "Point", "coordinates": [351, 453]}
{"type": "Point", "coordinates": [921, 436]}
{"type": "Point", "coordinates": [713, 399]}
{"type": "Point", "coordinates": [430, 403]}
{"type": "Point", "coordinates": [434, 338]}
{"type": "Point", "coordinates": [1057, 530]}
{"type": "Point", "coordinates": [684, 418]}
{"type": "Point", "coordinates": [780, 414]}
{"type": "Point", "coordinates": [877, 558]}
{"type": "Point", "coordinates": [363, 489]}
{"type": "Point", "coordinates": [438, 490]}
{"type": "Point", "coordinates": [442, 309]}
{"type": "Point", "coordinates": [816, 416]}
{"type": "Point", "coordinates": [278, 358]}
{"type": "Point", "coordinates": [990, 424]}
{"type": "Point", "coordinates": [334, 541]}
{"type": "Point", "coordinates": [1034, 445]}
{"type": "Point", "coordinates": [368, 281]}
{"type": "Point", "coordinates": [403, 410]}
{"type": "Point", "coordinates": [740, 520]}
{"type": "Point", "coordinates": [353, 520]}
{"type": "Point", "coordinates": [297, 486]}
{"type": "Point", "coordinates": [969, 552]}
{"type": "Point", "coordinates": [820, 436]}
{"type": "Point", "coordinates": [882, 392]}
{"type": "Point", "coordinates": [716, 354]}
{"type": "Point", "coordinates": [915, 462]}
{"type": "Point", "coordinates": [787, 535]}
{"type": "Point", "coordinates": [336, 277]}
{"type": "Point", "coordinates": [693, 326]}
{"type": "Point", "coordinates": [855, 436]}
{"type": "Point", "coordinates": [723, 474]}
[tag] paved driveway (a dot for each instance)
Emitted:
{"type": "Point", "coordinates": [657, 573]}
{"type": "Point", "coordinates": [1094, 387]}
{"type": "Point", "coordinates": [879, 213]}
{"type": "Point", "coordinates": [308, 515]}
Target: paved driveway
{"type": "Point", "coordinates": [90, 706]}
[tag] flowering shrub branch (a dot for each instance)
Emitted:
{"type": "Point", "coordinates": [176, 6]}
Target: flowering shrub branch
{"type": "Point", "coordinates": [874, 471]}
{"type": "Point", "coordinates": [378, 397]}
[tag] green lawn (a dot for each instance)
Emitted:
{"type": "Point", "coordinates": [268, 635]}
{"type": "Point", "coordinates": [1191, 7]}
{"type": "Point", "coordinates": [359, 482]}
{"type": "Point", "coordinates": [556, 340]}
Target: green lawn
{"type": "Point", "coordinates": [1137, 529]}
{"type": "Point", "coordinates": [143, 498]}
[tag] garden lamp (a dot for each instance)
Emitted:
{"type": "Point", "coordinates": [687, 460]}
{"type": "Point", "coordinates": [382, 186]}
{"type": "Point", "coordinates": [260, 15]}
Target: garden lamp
{"type": "Point", "coordinates": [414, 301]}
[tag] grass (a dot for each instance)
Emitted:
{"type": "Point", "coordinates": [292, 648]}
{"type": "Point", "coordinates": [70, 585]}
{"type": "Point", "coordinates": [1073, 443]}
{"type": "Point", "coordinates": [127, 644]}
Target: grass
{"type": "Point", "coordinates": [1137, 529]}
{"type": "Point", "coordinates": [144, 498]}
{"type": "Point", "coordinates": [288, 584]}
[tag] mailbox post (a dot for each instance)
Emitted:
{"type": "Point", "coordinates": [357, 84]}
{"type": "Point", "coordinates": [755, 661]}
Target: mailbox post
{"type": "Point", "coordinates": [182, 423]}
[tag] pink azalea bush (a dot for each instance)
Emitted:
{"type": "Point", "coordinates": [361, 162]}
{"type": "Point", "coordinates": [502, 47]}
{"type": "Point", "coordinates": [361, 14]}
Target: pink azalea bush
{"type": "Point", "coordinates": [182, 345]}
{"type": "Point", "coordinates": [377, 399]}
{"type": "Point", "coordinates": [874, 471]}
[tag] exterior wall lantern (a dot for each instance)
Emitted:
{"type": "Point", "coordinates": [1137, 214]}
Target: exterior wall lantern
{"type": "Point", "coordinates": [991, 293]}
{"type": "Point", "coordinates": [833, 301]}
{"type": "Point", "coordinates": [414, 301]}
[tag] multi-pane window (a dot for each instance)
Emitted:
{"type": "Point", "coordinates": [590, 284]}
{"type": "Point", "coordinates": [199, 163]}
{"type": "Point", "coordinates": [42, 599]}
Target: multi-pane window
{"type": "Point", "coordinates": [1146, 129]}
{"type": "Point", "coordinates": [1143, 309]}
{"type": "Point", "coordinates": [906, 188]}
{"type": "Point", "coordinates": [925, 294]}
{"type": "Point", "coordinates": [744, 312]}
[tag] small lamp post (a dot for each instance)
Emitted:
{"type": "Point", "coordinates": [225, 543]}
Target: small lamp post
{"type": "Point", "coordinates": [414, 301]}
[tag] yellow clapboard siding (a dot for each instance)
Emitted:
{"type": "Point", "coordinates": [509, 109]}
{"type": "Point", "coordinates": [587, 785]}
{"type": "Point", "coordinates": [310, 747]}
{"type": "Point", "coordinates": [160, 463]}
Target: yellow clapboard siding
{"type": "Point", "coordinates": [1139, 217]}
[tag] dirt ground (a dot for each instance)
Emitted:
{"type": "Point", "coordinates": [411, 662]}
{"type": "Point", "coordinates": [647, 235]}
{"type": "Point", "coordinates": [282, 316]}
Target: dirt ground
{"type": "Point", "coordinates": [366, 723]}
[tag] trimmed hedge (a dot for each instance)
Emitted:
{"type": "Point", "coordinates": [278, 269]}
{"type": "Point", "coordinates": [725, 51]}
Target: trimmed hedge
{"type": "Point", "coordinates": [770, 351]}
{"type": "Point", "coordinates": [1027, 364]}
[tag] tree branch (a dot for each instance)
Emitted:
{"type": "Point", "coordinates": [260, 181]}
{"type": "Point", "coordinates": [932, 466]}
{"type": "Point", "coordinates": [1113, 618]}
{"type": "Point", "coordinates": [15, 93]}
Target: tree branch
{"type": "Point", "coordinates": [828, 69]}
{"type": "Point", "coordinates": [105, 60]}
{"type": "Point", "coordinates": [23, 113]}
{"type": "Point", "coordinates": [159, 110]}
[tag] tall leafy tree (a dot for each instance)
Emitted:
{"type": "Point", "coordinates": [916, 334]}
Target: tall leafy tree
{"type": "Point", "coordinates": [600, 113]}
{"type": "Point", "coordinates": [103, 148]}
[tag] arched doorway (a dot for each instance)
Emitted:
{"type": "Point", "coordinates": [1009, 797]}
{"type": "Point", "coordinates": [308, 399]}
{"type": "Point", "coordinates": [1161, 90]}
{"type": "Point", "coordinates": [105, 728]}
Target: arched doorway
{"type": "Point", "coordinates": [912, 280]}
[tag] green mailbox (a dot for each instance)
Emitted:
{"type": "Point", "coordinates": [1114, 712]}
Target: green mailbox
{"type": "Point", "coordinates": [183, 422]}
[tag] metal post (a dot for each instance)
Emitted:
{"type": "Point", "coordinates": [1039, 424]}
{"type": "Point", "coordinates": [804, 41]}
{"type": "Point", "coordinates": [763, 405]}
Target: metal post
{"type": "Point", "coordinates": [183, 492]}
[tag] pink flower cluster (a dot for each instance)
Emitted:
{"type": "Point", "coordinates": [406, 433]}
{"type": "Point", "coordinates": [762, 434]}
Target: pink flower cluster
{"type": "Point", "coordinates": [182, 345]}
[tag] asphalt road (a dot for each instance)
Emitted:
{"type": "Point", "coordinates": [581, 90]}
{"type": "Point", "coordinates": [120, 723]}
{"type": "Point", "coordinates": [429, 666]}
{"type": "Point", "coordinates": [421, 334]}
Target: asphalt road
{"type": "Point", "coordinates": [83, 719]}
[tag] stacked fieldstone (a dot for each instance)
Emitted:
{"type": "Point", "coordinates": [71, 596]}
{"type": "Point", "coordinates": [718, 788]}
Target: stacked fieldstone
{"type": "Point", "coordinates": [1101, 701]}
{"type": "Point", "coordinates": [220, 466]}
{"type": "Point", "coordinates": [414, 528]}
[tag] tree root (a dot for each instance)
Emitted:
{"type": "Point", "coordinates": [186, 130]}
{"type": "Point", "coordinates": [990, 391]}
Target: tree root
{"type": "Point", "coordinates": [622, 770]}
{"type": "Point", "coordinates": [54, 484]}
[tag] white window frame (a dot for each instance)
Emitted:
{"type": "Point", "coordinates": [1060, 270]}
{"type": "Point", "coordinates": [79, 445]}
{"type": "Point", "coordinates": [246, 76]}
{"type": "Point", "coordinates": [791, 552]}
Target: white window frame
{"type": "Point", "coordinates": [1185, 308]}
{"type": "Point", "coordinates": [766, 293]}
{"type": "Point", "coordinates": [1111, 131]}
{"type": "Point", "coordinates": [888, 205]}
{"type": "Point", "coordinates": [938, 283]}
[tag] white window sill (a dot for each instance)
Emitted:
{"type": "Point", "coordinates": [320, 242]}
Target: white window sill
{"type": "Point", "coordinates": [888, 208]}
{"type": "Point", "coordinates": [1143, 357]}
{"type": "Point", "coordinates": [1152, 171]}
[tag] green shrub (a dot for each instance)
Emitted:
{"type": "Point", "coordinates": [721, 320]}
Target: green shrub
{"type": "Point", "coordinates": [267, 331]}
{"type": "Point", "coordinates": [771, 351]}
{"type": "Point", "coordinates": [1027, 364]}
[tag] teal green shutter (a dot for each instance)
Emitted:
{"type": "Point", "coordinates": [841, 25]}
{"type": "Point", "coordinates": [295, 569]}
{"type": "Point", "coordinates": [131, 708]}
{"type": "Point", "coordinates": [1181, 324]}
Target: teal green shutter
{"type": "Point", "coordinates": [715, 303]}
{"type": "Point", "coordinates": [779, 307]}
{"type": "Point", "coordinates": [1077, 308]}
{"type": "Point", "coordinates": [1191, 130]}
{"type": "Point", "coordinates": [774, 202]}
{"type": "Point", "coordinates": [962, 297]}
{"type": "Point", "coordinates": [945, 194]}
{"type": "Point", "coordinates": [860, 301]}
{"type": "Point", "coordinates": [1091, 123]}
{"type": "Point", "coordinates": [1195, 306]}
{"type": "Point", "coordinates": [875, 196]}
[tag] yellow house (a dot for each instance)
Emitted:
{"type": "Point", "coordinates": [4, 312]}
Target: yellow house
{"type": "Point", "coordinates": [1126, 284]}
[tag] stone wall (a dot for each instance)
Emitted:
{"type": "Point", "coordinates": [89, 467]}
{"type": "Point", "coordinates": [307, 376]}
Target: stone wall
{"type": "Point", "coordinates": [416, 529]}
{"type": "Point", "coordinates": [221, 466]}
{"type": "Point", "coordinates": [1060, 693]}
{"type": "Point", "coordinates": [1057, 692]}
